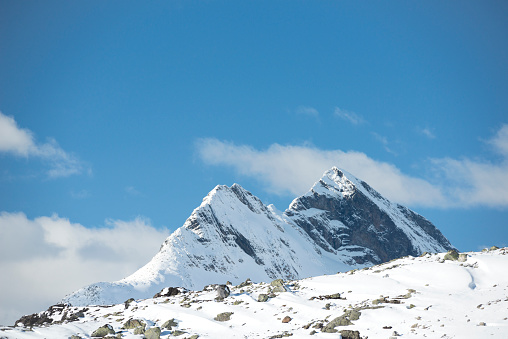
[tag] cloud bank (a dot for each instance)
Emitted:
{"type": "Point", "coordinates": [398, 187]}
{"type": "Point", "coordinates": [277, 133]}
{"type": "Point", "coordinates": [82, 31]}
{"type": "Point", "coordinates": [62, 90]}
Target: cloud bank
{"type": "Point", "coordinates": [49, 257]}
{"type": "Point", "coordinates": [292, 170]}
{"type": "Point", "coordinates": [21, 142]}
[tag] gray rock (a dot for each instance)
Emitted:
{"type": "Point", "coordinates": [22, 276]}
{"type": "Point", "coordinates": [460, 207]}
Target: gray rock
{"type": "Point", "coordinates": [103, 331]}
{"type": "Point", "coordinates": [223, 291]}
{"type": "Point", "coordinates": [169, 324]}
{"type": "Point", "coordinates": [262, 298]}
{"type": "Point", "coordinates": [134, 323]}
{"type": "Point", "coordinates": [226, 316]}
{"type": "Point", "coordinates": [128, 302]}
{"type": "Point", "coordinates": [343, 320]}
{"type": "Point", "coordinates": [139, 330]}
{"type": "Point", "coordinates": [451, 255]}
{"type": "Point", "coordinates": [462, 257]}
{"type": "Point", "coordinates": [348, 334]}
{"type": "Point", "coordinates": [153, 333]}
{"type": "Point", "coordinates": [75, 337]}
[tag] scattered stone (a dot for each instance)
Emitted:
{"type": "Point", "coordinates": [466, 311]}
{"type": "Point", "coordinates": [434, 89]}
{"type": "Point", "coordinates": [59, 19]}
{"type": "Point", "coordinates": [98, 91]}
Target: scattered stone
{"type": "Point", "coordinates": [285, 334]}
{"type": "Point", "coordinates": [223, 292]}
{"type": "Point", "coordinates": [139, 330]}
{"type": "Point", "coordinates": [348, 334]}
{"type": "Point", "coordinates": [343, 320]}
{"type": "Point", "coordinates": [263, 298]}
{"type": "Point", "coordinates": [278, 286]}
{"type": "Point", "coordinates": [195, 336]}
{"type": "Point", "coordinates": [176, 333]}
{"type": "Point", "coordinates": [395, 334]}
{"type": "Point", "coordinates": [387, 327]}
{"type": "Point", "coordinates": [128, 302]}
{"type": "Point", "coordinates": [103, 331]}
{"type": "Point", "coordinates": [328, 297]}
{"type": "Point", "coordinates": [169, 324]}
{"type": "Point", "coordinates": [452, 255]}
{"type": "Point", "coordinates": [167, 292]}
{"type": "Point", "coordinates": [286, 319]}
{"type": "Point", "coordinates": [75, 337]}
{"type": "Point", "coordinates": [134, 323]}
{"type": "Point", "coordinates": [237, 302]}
{"type": "Point", "coordinates": [312, 332]}
{"type": "Point", "coordinates": [482, 324]}
{"type": "Point", "coordinates": [462, 257]}
{"type": "Point", "coordinates": [411, 306]}
{"type": "Point", "coordinates": [246, 283]}
{"type": "Point", "coordinates": [225, 316]}
{"type": "Point", "coordinates": [153, 333]}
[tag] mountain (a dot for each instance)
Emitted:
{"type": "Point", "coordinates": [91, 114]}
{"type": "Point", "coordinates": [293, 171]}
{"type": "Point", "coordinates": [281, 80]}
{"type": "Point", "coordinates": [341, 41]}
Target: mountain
{"type": "Point", "coordinates": [340, 224]}
{"type": "Point", "coordinates": [433, 296]}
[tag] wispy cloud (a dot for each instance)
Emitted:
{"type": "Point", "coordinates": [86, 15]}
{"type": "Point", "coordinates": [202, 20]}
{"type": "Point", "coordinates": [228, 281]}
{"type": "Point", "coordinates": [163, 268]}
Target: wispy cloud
{"type": "Point", "coordinates": [349, 116]}
{"type": "Point", "coordinates": [21, 142]}
{"type": "Point", "coordinates": [384, 141]}
{"type": "Point", "coordinates": [35, 252]}
{"type": "Point", "coordinates": [427, 132]}
{"type": "Point", "coordinates": [291, 170]}
{"type": "Point", "coordinates": [130, 190]}
{"type": "Point", "coordinates": [307, 110]}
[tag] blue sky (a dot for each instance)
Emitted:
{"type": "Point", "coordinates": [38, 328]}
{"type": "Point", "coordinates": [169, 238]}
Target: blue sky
{"type": "Point", "coordinates": [120, 116]}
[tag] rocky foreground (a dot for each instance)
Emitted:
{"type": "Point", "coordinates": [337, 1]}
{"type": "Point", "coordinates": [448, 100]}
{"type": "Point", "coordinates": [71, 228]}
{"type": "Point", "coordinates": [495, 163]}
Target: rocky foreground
{"type": "Point", "coordinates": [446, 295]}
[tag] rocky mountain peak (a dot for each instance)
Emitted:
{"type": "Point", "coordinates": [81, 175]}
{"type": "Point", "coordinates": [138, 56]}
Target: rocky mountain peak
{"type": "Point", "coordinates": [339, 224]}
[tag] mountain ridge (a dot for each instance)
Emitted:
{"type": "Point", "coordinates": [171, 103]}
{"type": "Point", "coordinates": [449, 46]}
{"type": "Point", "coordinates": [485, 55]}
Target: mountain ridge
{"type": "Point", "coordinates": [340, 224]}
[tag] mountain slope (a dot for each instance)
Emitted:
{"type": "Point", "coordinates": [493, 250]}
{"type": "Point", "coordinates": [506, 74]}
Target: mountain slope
{"type": "Point", "coordinates": [423, 296]}
{"type": "Point", "coordinates": [341, 223]}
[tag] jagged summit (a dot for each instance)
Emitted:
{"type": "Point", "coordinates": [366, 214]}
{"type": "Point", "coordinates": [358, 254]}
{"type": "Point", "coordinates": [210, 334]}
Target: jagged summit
{"type": "Point", "coordinates": [341, 223]}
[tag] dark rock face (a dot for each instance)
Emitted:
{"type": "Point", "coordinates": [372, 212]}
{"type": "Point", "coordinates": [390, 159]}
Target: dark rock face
{"type": "Point", "coordinates": [167, 292]}
{"type": "Point", "coordinates": [357, 217]}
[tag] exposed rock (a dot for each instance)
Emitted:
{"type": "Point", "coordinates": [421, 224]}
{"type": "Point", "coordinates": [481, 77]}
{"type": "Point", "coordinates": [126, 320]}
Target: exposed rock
{"type": "Point", "coordinates": [153, 333]}
{"type": "Point", "coordinates": [167, 292]}
{"type": "Point", "coordinates": [348, 334]}
{"type": "Point", "coordinates": [134, 323]}
{"type": "Point", "coordinates": [177, 333]}
{"type": "Point", "coordinates": [286, 319]}
{"type": "Point", "coordinates": [246, 283]}
{"type": "Point", "coordinates": [75, 337]}
{"type": "Point", "coordinates": [329, 296]}
{"type": "Point", "coordinates": [451, 255]}
{"type": "Point", "coordinates": [482, 324]}
{"type": "Point", "coordinates": [223, 291]}
{"type": "Point", "coordinates": [103, 331]}
{"type": "Point", "coordinates": [128, 302]}
{"type": "Point", "coordinates": [262, 298]}
{"type": "Point", "coordinates": [462, 257]}
{"type": "Point", "coordinates": [225, 316]}
{"type": "Point", "coordinates": [169, 324]}
{"type": "Point", "coordinates": [343, 320]}
{"type": "Point", "coordinates": [278, 285]}
{"type": "Point", "coordinates": [34, 320]}
{"type": "Point", "coordinates": [139, 330]}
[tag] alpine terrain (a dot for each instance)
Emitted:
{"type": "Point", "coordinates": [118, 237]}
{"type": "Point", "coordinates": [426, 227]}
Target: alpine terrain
{"type": "Point", "coordinates": [340, 224]}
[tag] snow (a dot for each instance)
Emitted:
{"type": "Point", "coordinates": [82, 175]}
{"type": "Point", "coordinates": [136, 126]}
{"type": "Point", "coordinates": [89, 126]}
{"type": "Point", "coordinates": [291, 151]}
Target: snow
{"type": "Point", "coordinates": [438, 299]}
{"type": "Point", "coordinates": [232, 235]}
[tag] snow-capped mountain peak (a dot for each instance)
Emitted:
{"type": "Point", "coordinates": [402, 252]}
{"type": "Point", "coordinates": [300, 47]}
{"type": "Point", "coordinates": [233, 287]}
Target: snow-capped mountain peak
{"type": "Point", "coordinates": [341, 223]}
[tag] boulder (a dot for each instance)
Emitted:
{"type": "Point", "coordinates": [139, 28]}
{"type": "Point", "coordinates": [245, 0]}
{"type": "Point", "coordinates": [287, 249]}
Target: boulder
{"type": "Point", "coordinates": [153, 333]}
{"type": "Point", "coordinates": [226, 316]}
{"type": "Point", "coordinates": [348, 334]}
{"type": "Point", "coordinates": [169, 324]}
{"type": "Point", "coordinates": [134, 323]}
{"type": "Point", "coordinates": [167, 292]}
{"type": "Point", "coordinates": [128, 302]}
{"type": "Point", "coordinates": [262, 298]}
{"type": "Point", "coordinates": [103, 331]}
{"type": "Point", "coordinates": [286, 319]}
{"type": "Point", "coordinates": [223, 291]}
{"type": "Point", "coordinates": [451, 255]}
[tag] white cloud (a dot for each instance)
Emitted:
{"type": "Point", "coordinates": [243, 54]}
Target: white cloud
{"type": "Point", "coordinates": [428, 133]}
{"type": "Point", "coordinates": [306, 110]}
{"type": "Point", "coordinates": [49, 257]}
{"type": "Point", "coordinates": [384, 141]}
{"type": "Point", "coordinates": [500, 141]}
{"type": "Point", "coordinates": [352, 117]}
{"type": "Point", "coordinates": [21, 142]}
{"type": "Point", "coordinates": [293, 169]}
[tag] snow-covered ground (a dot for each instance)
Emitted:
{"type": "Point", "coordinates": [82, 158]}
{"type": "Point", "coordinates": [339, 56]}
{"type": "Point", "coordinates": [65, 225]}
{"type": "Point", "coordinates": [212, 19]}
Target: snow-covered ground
{"type": "Point", "coordinates": [409, 297]}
